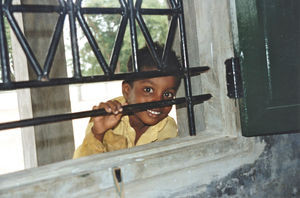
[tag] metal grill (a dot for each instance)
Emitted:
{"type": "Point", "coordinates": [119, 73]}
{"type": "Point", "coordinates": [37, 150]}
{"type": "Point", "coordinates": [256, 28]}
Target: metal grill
{"type": "Point", "coordinates": [130, 14]}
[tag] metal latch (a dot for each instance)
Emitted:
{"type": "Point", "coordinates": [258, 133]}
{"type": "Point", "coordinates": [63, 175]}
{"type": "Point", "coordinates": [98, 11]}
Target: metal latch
{"type": "Point", "coordinates": [234, 78]}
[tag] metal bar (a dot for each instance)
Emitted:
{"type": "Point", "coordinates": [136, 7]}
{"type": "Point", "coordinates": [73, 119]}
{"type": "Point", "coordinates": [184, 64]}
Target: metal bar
{"type": "Point", "coordinates": [35, 8]}
{"type": "Point", "coordinates": [119, 39]}
{"type": "Point", "coordinates": [4, 49]}
{"type": "Point", "coordinates": [8, 2]}
{"type": "Point", "coordinates": [93, 43]}
{"type": "Point", "coordinates": [128, 12]}
{"type": "Point", "coordinates": [147, 35]}
{"type": "Point", "coordinates": [133, 36]}
{"type": "Point", "coordinates": [23, 42]}
{"type": "Point", "coordinates": [94, 10]}
{"type": "Point", "coordinates": [78, 3]}
{"type": "Point", "coordinates": [128, 109]}
{"type": "Point", "coordinates": [54, 44]}
{"type": "Point", "coordinates": [171, 33]}
{"type": "Point", "coordinates": [87, 10]}
{"type": "Point", "coordinates": [62, 4]}
{"type": "Point", "coordinates": [149, 11]}
{"type": "Point", "coordinates": [187, 79]}
{"type": "Point", "coordinates": [100, 78]}
{"type": "Point", "coordinates": [170, 39]}
{"type": "Point", "coordinates": [173, 4]}
{"type": "Point", "coordinates": [74, 43]}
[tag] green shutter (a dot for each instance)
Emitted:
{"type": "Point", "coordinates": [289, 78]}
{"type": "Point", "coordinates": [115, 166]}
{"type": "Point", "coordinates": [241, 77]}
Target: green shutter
{"type": "Point", "coordinates": [269, 51]}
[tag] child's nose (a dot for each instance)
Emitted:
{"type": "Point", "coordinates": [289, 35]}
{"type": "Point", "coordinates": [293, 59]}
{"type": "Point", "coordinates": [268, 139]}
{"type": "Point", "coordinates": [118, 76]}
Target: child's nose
{"type": "Point", "coordinates": [157, 97]}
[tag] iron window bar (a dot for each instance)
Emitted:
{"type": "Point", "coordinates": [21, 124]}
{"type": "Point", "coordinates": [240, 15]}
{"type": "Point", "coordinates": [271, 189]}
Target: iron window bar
{"type": "Point", "coordinates": [75, 11]}
{"type": "Point", "coordinates": [128, 109]}
{"type": "Point", "coordinates": [99, 78]}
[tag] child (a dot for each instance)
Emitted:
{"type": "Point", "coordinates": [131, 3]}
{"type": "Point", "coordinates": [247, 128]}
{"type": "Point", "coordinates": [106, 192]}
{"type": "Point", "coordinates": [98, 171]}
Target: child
{"type": "Point", "coordinates": [117, 131]}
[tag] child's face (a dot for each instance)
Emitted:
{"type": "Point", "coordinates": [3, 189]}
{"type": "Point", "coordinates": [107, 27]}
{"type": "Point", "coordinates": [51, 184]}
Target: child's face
{"type": "Point", "coordinates": [150, 90]}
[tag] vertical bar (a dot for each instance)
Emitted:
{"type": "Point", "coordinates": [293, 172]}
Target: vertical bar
{"type": "Point", "coordinates": [53, 45]}
{"type": "Point", "coordinates": [8, 2]}
{"type": "Point", "coordinates": [133, 35]}
{"type": "Point", "coordinates": [173, 3]}
{"type": "Point", "coordinates": [187, 78]}
{"type": "Point", "coordinates": [119, 38]}
{"type": "Point", "coordinates": [74, 43]}
{"type": "Point", "coordinates": [25, 46]}
{"type": "Point", "coordinates": [171, 33]}
{"type": "Point", "coordinates": [4, 49]}
{"type": "Point", "coordinates": [147, 35]}
{"type": "Point", "coordinates": [92, 42]}
{"type": "Point", "coordinates": [170, 39]}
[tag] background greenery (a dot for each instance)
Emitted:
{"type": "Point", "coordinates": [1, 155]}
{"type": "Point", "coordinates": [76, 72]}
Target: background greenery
{"type": "Point", "coordinates": [7, 32]}
{"type": "Point", "coordinates": [105, 28]}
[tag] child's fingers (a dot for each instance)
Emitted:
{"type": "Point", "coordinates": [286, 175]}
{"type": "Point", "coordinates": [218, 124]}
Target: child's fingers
{"type": "Point", "coordinates": [115, 106]}
{"type": "Point", "coordinates": [119, 105]}
{"type": "Point", "coordinates": [103, 123]}
{"type": "Point", "coordinates": [111, 106]}
{"type": "Point", "coordinates": [104, 106]}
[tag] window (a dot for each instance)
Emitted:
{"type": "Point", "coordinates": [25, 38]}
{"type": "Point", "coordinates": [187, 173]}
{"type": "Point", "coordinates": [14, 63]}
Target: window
{"type": "Point", "coordinates": [177, 163]}
{"type": "Point", "coordinates": [41, 75]}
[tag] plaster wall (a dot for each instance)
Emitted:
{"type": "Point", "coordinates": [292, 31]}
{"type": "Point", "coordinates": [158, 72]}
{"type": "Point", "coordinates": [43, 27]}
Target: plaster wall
{"type": "Point", "coordinates": [274, 174]}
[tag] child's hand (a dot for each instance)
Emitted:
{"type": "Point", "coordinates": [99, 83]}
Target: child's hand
{"type": "Point", "coordinates": [104, 123]}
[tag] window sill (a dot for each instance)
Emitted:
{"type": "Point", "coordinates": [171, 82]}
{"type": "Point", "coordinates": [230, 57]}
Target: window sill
{"type": "Point", "coordinates": [93, 174]}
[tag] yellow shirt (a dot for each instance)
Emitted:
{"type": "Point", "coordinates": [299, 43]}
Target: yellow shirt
{"type": "Point", "coordinates": [123, 136]}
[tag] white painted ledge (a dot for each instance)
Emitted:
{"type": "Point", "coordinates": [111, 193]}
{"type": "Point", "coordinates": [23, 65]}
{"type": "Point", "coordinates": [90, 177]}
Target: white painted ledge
{"type": "Point", "coordinates": [164, 166]}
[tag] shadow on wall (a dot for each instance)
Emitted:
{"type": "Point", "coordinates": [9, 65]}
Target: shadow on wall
{"type": "Point", "coordinates": [275, 174]}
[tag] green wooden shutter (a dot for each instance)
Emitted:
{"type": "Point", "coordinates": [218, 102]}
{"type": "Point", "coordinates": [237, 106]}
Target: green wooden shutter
{"type": "Point", "coordinates": [269, 51]}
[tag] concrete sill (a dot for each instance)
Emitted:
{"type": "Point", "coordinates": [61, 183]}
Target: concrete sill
{"type": "Point", "coordinates": [93, 174]}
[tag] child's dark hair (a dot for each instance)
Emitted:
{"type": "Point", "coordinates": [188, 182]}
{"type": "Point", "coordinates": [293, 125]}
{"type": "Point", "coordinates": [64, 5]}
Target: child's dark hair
{"type": "Point", "coordinates": [145, 61]}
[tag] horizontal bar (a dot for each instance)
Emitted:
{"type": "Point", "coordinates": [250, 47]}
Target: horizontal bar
{"type": "Point", "coordinates": [88, 10]}
{"type": "Point", "coordinates": [149, 11]}
{"type": "Point", "coordinates": [128, 109]}
{"type": "Point", "coordinates": [101, 78]}
{"type": "Point", "coordinates": [94, 10]}
{"type": "Point", "coordinates": [36, 8]}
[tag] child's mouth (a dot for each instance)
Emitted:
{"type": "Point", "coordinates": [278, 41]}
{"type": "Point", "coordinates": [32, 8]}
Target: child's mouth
{"type": "Point", "coordinates": [154, 112]}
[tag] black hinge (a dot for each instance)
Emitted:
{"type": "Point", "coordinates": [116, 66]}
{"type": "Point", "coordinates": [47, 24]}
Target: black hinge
{"type": "Point", "coordinates": [234, 78]}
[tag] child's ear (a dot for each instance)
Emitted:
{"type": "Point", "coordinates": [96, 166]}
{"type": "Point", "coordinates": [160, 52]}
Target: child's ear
{"type": "Point", "coordinates": [125, 90]}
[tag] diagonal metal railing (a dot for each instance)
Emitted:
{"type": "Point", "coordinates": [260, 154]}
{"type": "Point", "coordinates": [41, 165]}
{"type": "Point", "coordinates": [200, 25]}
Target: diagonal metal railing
{"type": "Point", "coordinates": [130, 14]}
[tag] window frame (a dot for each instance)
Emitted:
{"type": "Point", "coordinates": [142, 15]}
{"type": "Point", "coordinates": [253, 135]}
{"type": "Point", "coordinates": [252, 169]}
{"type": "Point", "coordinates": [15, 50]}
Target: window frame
{"type": "Point", "coordinates": [220, 140]}
{"type": "Point", "coordinates": [130, 13]}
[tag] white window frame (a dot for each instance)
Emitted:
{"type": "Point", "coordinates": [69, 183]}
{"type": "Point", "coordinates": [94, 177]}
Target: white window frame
{"type": "Point", "coordinates": [171, 166]}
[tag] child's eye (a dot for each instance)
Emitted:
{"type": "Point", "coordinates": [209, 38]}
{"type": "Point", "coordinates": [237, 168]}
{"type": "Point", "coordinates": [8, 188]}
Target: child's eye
{"type": "Point", "coordinates": [168, 95]}
{"type": "Point", "coordinates": [148, 90]}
